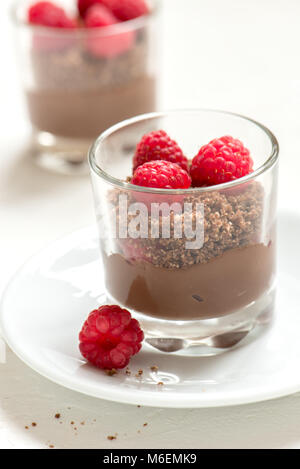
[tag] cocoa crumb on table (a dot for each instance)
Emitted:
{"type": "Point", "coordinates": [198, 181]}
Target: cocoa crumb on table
{"type": "Point", "coordinates": [57, 416]}
{"type": "Point", "coordinates": [34, 424]}
{"type": "Point", "coordinates": [111, 437]}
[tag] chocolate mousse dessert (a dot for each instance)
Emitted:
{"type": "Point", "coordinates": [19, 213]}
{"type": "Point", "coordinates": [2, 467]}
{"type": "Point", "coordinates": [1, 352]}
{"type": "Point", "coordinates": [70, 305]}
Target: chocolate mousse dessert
{"type": "Point", "coordinates": [91, 71]}
{"type": "Point", "coordinates": [163, 276]}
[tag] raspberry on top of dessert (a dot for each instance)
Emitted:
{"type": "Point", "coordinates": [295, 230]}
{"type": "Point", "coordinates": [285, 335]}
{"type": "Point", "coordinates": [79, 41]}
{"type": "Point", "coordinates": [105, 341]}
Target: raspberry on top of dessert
{"type": "Point", "coordinates": [157, 145]}
{"type": "Point", "coordinates": [161, 174]}
{"type": "Point", "coordinates": [222, 160]}
{"type": "Point", "coordinates": [124, 10]}
{"type": "Point", "coordinates": [91, 14]}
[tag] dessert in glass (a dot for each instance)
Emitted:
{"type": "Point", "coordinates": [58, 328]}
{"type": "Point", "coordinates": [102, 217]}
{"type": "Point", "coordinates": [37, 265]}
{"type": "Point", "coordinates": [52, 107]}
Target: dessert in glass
{"type": "Point", "coordinates": [84, 68]}
{"type": "Point", "coordinates": [188, 228]}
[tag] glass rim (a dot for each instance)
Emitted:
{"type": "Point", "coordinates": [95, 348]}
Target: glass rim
{"type": "Point", "coordinates": [122, 27]}
{"type": "Point", "coordinates": [269, 162]}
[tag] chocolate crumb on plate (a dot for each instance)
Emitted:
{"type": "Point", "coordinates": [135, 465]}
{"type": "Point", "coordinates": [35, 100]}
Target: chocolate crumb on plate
{"type": "Point", "coordinates": [154, 368]}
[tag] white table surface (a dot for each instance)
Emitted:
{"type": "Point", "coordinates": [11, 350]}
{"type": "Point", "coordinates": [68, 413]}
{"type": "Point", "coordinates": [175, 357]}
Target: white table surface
{"type": "Point", "coordinates": [236, 55]}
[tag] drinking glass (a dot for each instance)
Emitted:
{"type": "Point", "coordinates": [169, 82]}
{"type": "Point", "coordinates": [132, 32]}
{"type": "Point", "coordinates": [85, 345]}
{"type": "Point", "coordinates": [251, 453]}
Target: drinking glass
{"type": "Point", "coordinates": [196, 267]}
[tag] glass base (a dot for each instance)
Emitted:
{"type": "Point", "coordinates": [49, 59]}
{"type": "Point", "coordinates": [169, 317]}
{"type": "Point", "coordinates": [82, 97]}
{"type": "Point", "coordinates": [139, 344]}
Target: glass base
{"type": "Point", "coordinates": [61, 155]}
{"type": "Point", "coordinates": [208, 337]}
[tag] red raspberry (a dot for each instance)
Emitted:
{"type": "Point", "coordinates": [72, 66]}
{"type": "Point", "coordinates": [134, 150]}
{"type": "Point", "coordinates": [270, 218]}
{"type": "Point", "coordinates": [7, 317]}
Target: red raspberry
{"type": "Point", "coordinates": [127, 9]}
{"type": "Point", "coordinates": [49, 14]}
{"type": "Point", "coordinates": [99, 15]}
{"type": "Point", "coordinates": [84, 5]}
{"type": "Point", "coordinates": [123, 9]}
{"type": "Point", "coordinates": [106, 45]}
{"type": "Point", "coordinates": [162, 175]}
{"type": "Point", "coordinates": [222, 160]}
{"type": "Point", "coordinates": [109, 337]}
{"type": "Point", "coordinates": [158, 145]}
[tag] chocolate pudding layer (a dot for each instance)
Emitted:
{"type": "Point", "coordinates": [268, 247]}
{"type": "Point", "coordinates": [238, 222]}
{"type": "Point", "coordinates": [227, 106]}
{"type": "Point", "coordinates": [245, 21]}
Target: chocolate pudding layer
{"type": "Point", "coordinates": [221, 286]}
{"type": "Point", "coordinates": [85, 114]}
{"type": "Point", "coordinates": [233, 268]}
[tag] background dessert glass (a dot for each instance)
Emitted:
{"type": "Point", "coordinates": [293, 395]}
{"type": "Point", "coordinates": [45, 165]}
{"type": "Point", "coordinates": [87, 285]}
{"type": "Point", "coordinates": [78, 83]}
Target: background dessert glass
{"type": "Point", "coordinates": [74, 94]}
{"type": "Point", "coordinates": [200, 298]}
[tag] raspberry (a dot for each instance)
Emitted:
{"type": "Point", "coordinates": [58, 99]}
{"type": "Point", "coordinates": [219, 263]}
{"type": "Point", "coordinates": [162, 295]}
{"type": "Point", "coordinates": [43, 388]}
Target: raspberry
{"type": "Point", "coordinates": [84, 5]}
{"type": "Point", "coordinates": [49, 14]}
{"type": "Point", "coordinates": [106, 45]}
{"type": "Point", "coordinates": [222, 160]}
{"type": "Point", "coordinates": [126, 10]}
{"type": "Point", "coordinates": [162, 175]}
{"type": "Point", "coordinates": [132, 250]}
{"type": "Point", "coordinates": [158, 145]}
{"type": "Point", "coordinates": [99, 15]}
{"type": "Point", "coordinates": [123, 9]}
{"type": "Point", "coordinates": [109, 337]}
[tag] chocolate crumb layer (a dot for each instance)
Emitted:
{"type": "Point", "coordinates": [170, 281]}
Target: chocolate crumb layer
{"type": "Point", "coordinates": [74, 68]}
{"type": "Point", "coordinates": [232, 219]}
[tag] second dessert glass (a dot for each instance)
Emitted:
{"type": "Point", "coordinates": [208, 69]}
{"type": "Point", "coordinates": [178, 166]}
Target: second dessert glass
{"type": "Point", "coordinates": [80, 82]}
{"type": "Point", "coordinates": [196, 267]}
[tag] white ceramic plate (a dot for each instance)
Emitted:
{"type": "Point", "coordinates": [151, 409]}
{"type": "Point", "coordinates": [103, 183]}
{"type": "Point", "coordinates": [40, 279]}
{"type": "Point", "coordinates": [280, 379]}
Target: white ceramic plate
{"type": "Point", "coordinates": [47, 301]}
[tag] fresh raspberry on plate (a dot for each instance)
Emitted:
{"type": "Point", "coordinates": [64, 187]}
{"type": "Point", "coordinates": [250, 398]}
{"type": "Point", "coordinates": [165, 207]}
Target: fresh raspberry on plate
{"type": "Point", "coordinates": [222, 160]}
{"type": "Point", "coordinates": [106, 45]}
{"type": "Point", "coordinates": [110, 337]}
{"type": "Point", "coordinates": [158, 145]}
{"type": "Point", "coordinates": [161, 175]}
{"type": "Point", "coordinates": [51, 15]}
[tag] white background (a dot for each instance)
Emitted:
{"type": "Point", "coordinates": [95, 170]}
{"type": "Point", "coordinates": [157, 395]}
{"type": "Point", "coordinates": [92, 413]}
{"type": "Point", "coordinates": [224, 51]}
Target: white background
{"type": "Point", "coordinates": [237, 55]}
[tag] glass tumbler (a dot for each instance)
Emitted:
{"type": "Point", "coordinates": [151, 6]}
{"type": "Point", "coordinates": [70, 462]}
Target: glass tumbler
{"type": "Point", "coordinates": [79, 82]}
{"type": "Point", "coordinates": [196, 267]}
